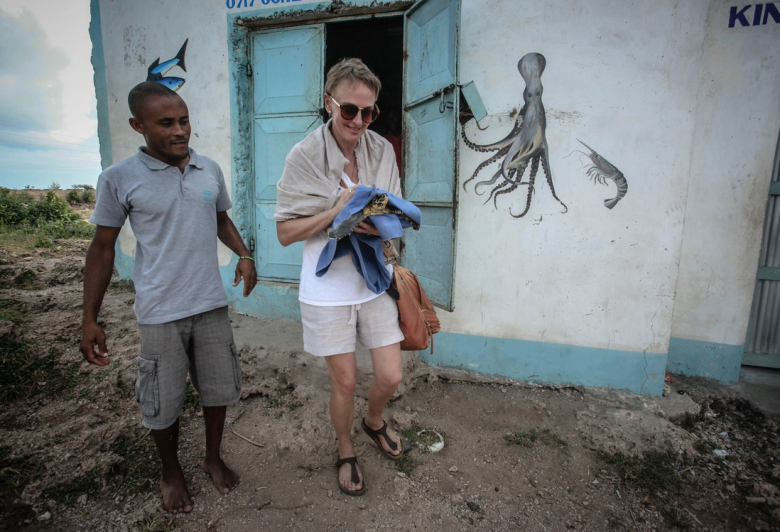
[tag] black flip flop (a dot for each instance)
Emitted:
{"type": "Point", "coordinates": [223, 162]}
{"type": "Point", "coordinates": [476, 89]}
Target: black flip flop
{"type": "Point", "coordinates": [382, 431]}
{"type": "Point", "coordinates": [352, 461]}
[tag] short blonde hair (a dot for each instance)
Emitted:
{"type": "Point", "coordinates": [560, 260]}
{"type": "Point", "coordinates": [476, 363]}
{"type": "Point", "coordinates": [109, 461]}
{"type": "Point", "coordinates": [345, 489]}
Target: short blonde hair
{"type": "Point", "coordinates": [351, 70]}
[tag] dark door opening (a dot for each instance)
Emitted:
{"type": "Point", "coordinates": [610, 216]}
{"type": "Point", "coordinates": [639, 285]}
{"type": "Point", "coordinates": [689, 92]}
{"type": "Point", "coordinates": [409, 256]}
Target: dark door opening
{"type": "Point", "coordinates": [379, 43]}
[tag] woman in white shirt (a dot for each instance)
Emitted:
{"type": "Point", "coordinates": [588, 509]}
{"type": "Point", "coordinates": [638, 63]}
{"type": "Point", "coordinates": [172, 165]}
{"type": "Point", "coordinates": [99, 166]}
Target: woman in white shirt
{"type": "Point", "coordinates": [320, 177]}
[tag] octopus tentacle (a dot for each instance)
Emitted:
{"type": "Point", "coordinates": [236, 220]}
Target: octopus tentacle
{"type": "Point", "coordinates": [506, 141]}
{"type": "Point", "coordinates": [520, 171]}
{"type": "Point", "coordinates": [490, 161]}
{"type": "Point", "coordinates": [489, 182]}
{"type": "Point", "coordinates": [531, 180]}
{"type": "Point", "coordinates": [498, 187]}
{"type": "Point", "coordinates": [548, 176]}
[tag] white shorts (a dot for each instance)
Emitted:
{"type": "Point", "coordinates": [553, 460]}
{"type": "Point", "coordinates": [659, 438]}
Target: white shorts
{"type": "Point", "coordinates": [333, 330]}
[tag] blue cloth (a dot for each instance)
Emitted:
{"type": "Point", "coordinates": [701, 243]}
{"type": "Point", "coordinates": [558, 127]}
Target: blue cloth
{"type": "Point", "coordinates": [366, 250]}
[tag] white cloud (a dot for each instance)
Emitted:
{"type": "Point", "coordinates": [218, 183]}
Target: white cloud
{"type": "Point", "coordinates": [30, 95]}
{"type": "Point", "coordinates": [47, 96]}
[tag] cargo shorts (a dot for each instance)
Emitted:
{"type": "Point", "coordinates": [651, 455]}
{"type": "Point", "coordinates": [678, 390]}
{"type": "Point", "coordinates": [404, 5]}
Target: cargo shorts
{"type": "Point", "coordinates": [201, 345]}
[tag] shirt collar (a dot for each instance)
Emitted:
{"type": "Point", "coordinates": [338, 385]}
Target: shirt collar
{"type": "Point", "coordinates": [157, 164]}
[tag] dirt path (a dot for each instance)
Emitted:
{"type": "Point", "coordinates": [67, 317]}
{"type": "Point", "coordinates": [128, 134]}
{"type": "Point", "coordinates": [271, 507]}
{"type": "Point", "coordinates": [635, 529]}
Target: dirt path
{"type": "Point", "coordinates": [517, 457]}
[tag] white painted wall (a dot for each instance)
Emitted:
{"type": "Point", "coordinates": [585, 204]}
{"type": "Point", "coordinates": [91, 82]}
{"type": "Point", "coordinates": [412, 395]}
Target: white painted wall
{"type": "Point", "coordinates": [137, 32]}
{"type": "Point", "coordinates": [660, 88]}
{"type": "Point", "coordinates": [623, 78]}
{"type": "Point", "coordinates": [738, 121]}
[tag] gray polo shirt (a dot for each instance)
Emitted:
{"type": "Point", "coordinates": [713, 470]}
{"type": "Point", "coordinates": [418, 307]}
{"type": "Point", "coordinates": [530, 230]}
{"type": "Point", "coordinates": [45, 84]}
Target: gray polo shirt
{"type": "Point", "coordinates": [174, 218]}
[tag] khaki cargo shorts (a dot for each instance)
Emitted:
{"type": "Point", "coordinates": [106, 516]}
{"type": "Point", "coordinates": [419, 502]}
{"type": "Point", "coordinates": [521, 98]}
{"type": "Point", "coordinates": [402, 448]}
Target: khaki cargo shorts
{"type": "Point", "coordinates": [201, 345]}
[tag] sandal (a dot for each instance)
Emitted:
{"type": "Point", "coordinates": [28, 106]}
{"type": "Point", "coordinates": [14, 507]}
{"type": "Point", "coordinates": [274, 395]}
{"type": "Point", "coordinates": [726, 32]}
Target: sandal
{"type": "Point", "coordinates": [352, 461]}
{"type": "Point", "coordinates": [382, 431]}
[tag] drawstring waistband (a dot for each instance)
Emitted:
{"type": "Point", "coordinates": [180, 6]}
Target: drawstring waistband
{"type": "Point", "coordinates": [353, 314]}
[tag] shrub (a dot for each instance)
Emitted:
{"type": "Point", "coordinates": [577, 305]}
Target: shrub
{"type": "Point", "coordinates": [14, 206]}
{"type": "Point", "coordinates": [51, 208]}
{"type": "Point", "coordinates": [73, 196]}
{"type": "Point", "coordinates": [65, 229]}
{"type": "Point", "coordinates": [88, 196]}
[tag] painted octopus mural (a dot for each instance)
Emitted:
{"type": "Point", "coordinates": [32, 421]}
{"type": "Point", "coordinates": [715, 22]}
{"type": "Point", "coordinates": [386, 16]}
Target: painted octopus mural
{"type": "Point", "coordinates": [526, 143]}
{"type": "Point", "coordinates": [600, 170]}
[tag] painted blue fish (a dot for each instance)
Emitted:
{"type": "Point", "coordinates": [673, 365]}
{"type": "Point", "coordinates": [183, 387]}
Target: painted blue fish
{"type": "Point", "coordinates": [172, 83]}
{"type": "Point", "coordinates": [157, 70]}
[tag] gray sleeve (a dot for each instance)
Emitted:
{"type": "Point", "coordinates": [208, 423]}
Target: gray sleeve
{"type": "Point", "coordinates": [223, 200]}
{"type": "Point", "coordinates": [110, 211]}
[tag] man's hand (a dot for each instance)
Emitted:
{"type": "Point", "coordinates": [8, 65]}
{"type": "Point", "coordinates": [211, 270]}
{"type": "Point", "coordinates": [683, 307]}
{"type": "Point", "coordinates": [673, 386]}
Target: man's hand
{"type": "Point", "coordinates": [246, 269]}
{"type": "Point", "coordinates": [92, 335]}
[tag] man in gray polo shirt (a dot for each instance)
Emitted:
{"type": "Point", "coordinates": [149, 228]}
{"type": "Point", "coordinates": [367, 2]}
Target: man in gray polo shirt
{"type": "Point", "coordinates": [176, 201]}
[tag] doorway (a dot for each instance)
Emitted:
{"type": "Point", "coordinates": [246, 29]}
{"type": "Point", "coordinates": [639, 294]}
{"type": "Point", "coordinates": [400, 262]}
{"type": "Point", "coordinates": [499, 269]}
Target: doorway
{"type": "Point", "coordinates": [379, 43]}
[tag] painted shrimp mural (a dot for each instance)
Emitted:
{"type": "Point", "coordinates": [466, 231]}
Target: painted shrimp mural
{"type": "Point", "coordinates": [600, 170]}
{"type": "Point", "coordinates": [526, 143]}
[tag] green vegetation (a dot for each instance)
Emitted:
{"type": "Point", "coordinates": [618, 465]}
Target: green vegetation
{"type": "Point", "coordinates": [140, 467]}
{"type": "Point", "coordinates": [69, 492]}
{"type": "Point", "coordinates": [704, 446]}
{"type": "Point", "coordinates": [81, 194]}
{"type": "Point", "coordinates": [12, 310]}
{"type": "Point", "coordinates": [191, 398]}
{"type": "Point", "coordinates": [24, 372]}
{"type": "Point", "coordinates": [16, 473]}
{"type": "Point", "coordinates": [655, 476]}
{"type": "Point", "coordinates": [528, 439]}
{"type": "Point", "coordinates": [273, 402]}
{"type": "Point", "coordinates": [407, 464]}
{"type": "Point", "coordinates": [421, 441]}
{"type": "Point", "coordinates": [158, 524]}
{"type": "Point", "coordinates": [27, 280]}
{"type": "Point", "coordinates": [122, 285]}
{"type": "Point", "coordinates": [29, 224]}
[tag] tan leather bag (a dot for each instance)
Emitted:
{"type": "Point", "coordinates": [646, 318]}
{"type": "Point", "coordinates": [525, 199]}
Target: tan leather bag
{"type": "Point", "coordinates": [416, 316]}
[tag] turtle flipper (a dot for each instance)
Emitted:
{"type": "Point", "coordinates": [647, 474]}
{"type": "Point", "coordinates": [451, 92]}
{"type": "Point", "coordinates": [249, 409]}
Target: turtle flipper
{"type": "Point", "coordinates": [347, 226]}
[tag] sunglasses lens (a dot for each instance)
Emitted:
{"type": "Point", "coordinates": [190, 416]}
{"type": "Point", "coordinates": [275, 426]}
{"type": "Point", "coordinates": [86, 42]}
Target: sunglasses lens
{"type": "Point", "coordinates": [349, 111]}
{"type": "Point", "coordinates": [369, 115]}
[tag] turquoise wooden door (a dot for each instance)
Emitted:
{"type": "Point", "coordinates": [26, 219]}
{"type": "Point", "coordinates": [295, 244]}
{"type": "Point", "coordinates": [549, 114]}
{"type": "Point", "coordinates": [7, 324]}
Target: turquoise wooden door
{"type": "Point", "coordinates": [287, 77]}
{"type": "Point", "coordinates": [431, 106]}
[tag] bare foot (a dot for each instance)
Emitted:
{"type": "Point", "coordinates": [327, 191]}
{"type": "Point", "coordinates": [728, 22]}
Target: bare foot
{"type": "Point", "coordinates": [225, 479]}
{"type": "Point", "coordinates": [176, 498]}
{"type": "Point", "coordinates": [345, 477]}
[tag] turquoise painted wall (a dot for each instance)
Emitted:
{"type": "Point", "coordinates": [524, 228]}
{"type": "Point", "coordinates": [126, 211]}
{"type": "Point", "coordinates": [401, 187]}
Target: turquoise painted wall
{"type": "Point", "coordinates": [705, 359]}
{"type": "Point", "coordinates": [548, 363]}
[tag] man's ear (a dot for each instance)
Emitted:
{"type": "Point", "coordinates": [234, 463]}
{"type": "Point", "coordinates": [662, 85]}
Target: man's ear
{"type": "Point", "coordinates": [137, 125]}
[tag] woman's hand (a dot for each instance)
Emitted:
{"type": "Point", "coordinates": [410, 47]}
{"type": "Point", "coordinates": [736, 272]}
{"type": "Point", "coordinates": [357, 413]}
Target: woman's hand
{"type": "Point", "coordinates": [366, 228]}
{"type": "Point", "coordinates": [344, 198]}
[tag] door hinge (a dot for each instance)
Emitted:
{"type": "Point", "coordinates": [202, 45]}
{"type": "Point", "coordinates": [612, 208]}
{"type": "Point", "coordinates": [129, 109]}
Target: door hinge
{"type": "Point", "coordinates": [252, 244]}
{"type": "Point", "coordinates": [248, 69]}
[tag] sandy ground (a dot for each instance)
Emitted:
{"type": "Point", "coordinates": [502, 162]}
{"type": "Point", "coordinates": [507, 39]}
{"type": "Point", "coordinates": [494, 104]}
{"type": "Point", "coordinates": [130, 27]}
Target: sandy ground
{"type": "Point", "coordinates": [516, 456]}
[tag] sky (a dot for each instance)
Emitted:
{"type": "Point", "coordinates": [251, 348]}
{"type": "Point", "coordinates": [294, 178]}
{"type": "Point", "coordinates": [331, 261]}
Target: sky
{"type": "Point", "coordinates": [48, 114]}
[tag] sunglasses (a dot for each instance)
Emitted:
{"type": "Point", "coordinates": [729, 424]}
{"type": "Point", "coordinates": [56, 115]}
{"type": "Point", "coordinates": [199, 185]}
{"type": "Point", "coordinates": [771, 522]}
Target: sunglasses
{"type": "Point", "coordinates": [349, 111]}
